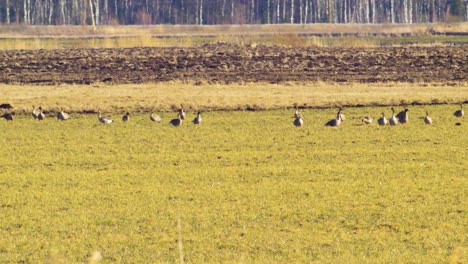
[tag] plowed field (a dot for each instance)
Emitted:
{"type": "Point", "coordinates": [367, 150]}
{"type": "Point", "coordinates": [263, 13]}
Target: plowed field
{"type": "Point", "coordinates": [229, 63]}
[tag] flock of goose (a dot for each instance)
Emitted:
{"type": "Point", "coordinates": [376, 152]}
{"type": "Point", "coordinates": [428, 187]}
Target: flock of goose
{"type": "Point", "coordinates": [62, 115]}
{"type": "Point", "coordinates": [156, 118]}
{"type": "Point", "coordinates": [400, 118]}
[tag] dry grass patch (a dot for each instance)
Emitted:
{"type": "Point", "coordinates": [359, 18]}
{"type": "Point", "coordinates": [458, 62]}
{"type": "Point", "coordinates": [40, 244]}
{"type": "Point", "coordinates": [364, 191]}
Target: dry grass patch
{"type": "Point", "coordinates": [165, 96]}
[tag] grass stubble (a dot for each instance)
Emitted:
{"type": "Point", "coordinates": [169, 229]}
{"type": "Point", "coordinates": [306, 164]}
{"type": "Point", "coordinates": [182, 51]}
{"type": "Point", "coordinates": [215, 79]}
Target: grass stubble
{"type": "Point", "coordinates": [242, 187]}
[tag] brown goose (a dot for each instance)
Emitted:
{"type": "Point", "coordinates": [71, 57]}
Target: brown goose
{"type": "Point", "coordinates": [427, 119]}
{"type": "Point", "coordinates": [182, 112]}
{"type": "Point", "coordinates": [383, 120]}
{"type": "Point", "coordinates": [403, 116]}
{"type": "Point", "coordinates": [177, 121]}
{"type": "Point", "coordinates": [126, 117]}
{"type": "Point", "coordinates": [41, 115]}
{"type": "Point", "coordinates": [104, 120]}
{"type": "Point", "coordinates": [62, 115]}
{"type": "Point", "coordinates": [459, 113]}
{"type": "Point", "coordinates": [197, 120]}
{"type": "Point", "coordinates": [8, 116]}
{"type": "Point", "coordinates": [34, 113]}
{"type": "Point", "coordinates": [337, 121]}
{"type": "Point", "coordinates": [155, 118]}
{"type": "Point", "coordinates": [393, 121]}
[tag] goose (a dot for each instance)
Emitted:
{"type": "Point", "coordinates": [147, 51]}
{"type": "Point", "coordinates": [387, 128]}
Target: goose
{"type": "Point", "coordinates": [296, 112]}
{"type": "Point", "coordinates": [459, 113]}
{"type": "Point", "coordinates": [342, 116]}
{"type": "Point", "coordinates": [368, 120]}
{"type": "Point", "coordinates": [62, 115]}
{"type": "Point", "coordinates": [34, 113]}
{"type": "Point", "coordinates": [177, 121]}
{"type": "Point", "coordinates": [126, 117]}
{"type": "Point", "coordinates": [427, 119]}
{"type": "Point", "coordinates": [155, 118]}
{"type": "Point", "coordinates": [197, 120]}
{"type": "Point", "coordinates": [41, 115]}
{"type": "Point", "coordinates": [403, 116]}
{"type": "Point", "coordinates": [383, 120]}
{"type": "Point", "coordinates": [393, 120]}
{"type": "Point", "coordinates": [335, 122]}
{"type": "Point", "coordinates": [8, 116]}
{"type": "Point", "coordinates": [298, 122]}
{"type": "Point", "coordinates": [104, 120]}
{"type": "Point", "coordinates": [182, 112]}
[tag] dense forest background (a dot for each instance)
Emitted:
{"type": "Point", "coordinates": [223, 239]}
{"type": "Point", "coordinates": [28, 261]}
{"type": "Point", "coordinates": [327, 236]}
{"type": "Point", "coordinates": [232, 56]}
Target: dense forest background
{"type": "Point", "coordinates": [212, 12]}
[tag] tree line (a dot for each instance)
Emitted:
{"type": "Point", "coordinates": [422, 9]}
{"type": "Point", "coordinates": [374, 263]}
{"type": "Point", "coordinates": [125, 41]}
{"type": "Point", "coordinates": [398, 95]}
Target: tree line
{"type": "Point", "coordinates": [216, 12]}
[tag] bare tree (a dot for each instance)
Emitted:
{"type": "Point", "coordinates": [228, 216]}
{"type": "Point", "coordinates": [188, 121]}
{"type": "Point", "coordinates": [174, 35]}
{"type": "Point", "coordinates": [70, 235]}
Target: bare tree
{"type": "Point", "coordinates": [8, 12]}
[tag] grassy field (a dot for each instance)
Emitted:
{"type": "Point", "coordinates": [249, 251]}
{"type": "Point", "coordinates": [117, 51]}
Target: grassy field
{"type": "Point", "coordinates": [311, 35]}
{"type": "Point", "coordinates": [263, 96]}
{"type": "Point", "coordinates": [245, 187]}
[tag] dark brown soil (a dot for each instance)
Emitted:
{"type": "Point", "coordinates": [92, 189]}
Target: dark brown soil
{"type": "Point", "coordinates": [229, 63]}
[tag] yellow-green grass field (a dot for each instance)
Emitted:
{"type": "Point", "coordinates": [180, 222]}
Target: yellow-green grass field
{"type": "Point", "coordinates": [244, 187]}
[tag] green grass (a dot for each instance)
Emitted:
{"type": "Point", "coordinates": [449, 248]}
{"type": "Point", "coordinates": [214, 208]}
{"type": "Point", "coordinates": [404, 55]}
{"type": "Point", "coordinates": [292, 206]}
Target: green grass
{"type": "Point", "coordinates": [247, 187]}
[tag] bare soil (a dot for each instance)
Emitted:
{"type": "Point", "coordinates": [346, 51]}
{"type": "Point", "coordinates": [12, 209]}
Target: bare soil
{"type": "Point", "coordinates": [231, 63]}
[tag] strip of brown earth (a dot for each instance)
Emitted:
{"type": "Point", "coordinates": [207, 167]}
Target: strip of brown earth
{"type": "Point", "coordinates": [230, 63]}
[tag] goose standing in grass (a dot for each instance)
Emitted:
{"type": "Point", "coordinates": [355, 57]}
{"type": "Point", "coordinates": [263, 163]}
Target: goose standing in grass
{"type": "Point", "coordinates": [41, 115]}
{"type": "Point", "coordinates": [34, 113]}
{"type": "Point", "coordinates": [296, 112]}
{"type": "Point", "coordinates": [427, 119]}
{"type": "Point", "coordinates": [62, 115]}
{"type": "Point", "coordinates": [459, 113]}
{"type": "Point", "coordinates": [393, 121]}
{"type": "Point", "coordinates": [177, 121]}
{"type": "Point", "coordinates": [104, 120]}
{"type": "Point", "coordinates": [182, 112]}
{"type": "Point", "coordinates": [342, 116]}
{"type": "Point", "coordinates": [335, 122]}
{"type": "Point", "coordinates": [155, 118]}
{"type": "Point", "coordinates": [126, 117]}
{"type": "Point", "coordinates": [403, 116]}
{"type": "Point", "coordinates": [367, 120]}
{"type": "Point", "coordinates": [197, 120]}
{"type": "Point", "coordinates": [383, 120]}
{"type": "Point", "coordinates": [298, 122]}
{"type": "Point", "coordinates": [8, 116]}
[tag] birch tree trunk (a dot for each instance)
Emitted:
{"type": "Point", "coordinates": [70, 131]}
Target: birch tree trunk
{"type": "Point", "coordinates": [268, 12]}
{"type": "Point", "coordinates": [292, 11]}
{"type": "Point", "coordinates": [367, 18]}
{"type": "Point", "coordinates": [116, 10]}
{"type": "Point", "coordinates": [96, 4]}
{"type": "Point", "coordinates": [392, 11]}
{"type": "Point", "coordinates": [51, 11]}
{"type": "Point", "coordinates": [410, 11]}
{"type": "Point", "coordinates": [8, 12]}
{"type": "Point", "coordinates": [300, 12]}
{"type": "Point", "coordinates": [25, 12]}
{"type": "Point", "coordinates": [284, 11]}
{"type": "Point", "coordinates": [62, 12]}
{"type": "Point", "coordinates": [224, 7]}
{"type": "Point", "coordinates": [306, 11]}
{"type": "Point", "coordinates": [277, 11]}
{"type": "Point", "coordinates": [252, 11]}
{"type": "Point", "coordinates": [232, 11]}
{"type": "Point", "coordinates": [201, 12]}
{"type": "Point", "coordinates": [106, 12]}
{"type": "Point", "coordinates": [93, 22]}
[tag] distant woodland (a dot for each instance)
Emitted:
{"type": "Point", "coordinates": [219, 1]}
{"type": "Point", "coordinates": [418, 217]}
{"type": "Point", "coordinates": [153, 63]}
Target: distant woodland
{"type": "Point", "coordinates": [218, 12]}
